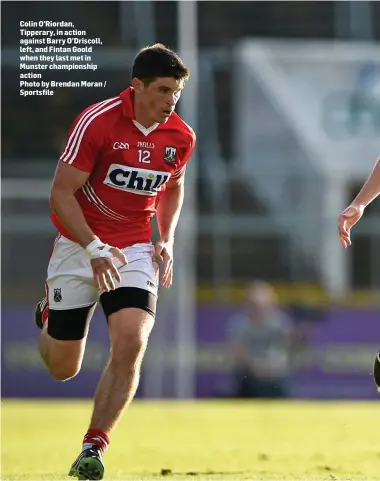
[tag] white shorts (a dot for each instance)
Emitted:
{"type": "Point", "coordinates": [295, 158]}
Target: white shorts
{"type": "Point", "coordinates": [70, 282]}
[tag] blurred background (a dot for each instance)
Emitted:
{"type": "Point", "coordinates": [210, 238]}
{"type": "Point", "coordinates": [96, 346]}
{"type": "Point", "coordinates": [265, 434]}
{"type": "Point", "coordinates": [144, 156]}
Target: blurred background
{"type": "Point", "coordinates": [285, 100]}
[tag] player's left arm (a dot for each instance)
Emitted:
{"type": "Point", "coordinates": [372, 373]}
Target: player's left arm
{"type": "Point", "coordinates": [352, 214]}
{"type": "Point", "coordinates": [169, 208]}
{"type": "Point", "coordinates": [168, 212]}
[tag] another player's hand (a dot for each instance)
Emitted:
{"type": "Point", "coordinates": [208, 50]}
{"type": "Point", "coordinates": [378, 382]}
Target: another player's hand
{"type": "Point", "coordinates": [105, 272]}
{"type": "Point", "coordinates": [163, 254]}
{"type": "Point", "coordinates": [347, 219]}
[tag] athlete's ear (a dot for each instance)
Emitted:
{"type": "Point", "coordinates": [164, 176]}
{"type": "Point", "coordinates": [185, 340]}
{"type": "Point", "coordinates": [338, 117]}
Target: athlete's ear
{"type": "Point", "coordinates": [137, 85]}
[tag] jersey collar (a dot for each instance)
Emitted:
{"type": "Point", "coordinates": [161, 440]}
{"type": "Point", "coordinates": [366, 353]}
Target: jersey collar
{"type": "Point", "coordinates": [126, 97]}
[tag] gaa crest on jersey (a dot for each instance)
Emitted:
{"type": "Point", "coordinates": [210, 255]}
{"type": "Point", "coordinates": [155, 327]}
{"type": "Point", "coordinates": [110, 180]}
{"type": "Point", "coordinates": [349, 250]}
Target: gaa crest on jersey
{"type": "Point", "coordinates": [57, 294]}
{"type": "Point", "coordinates": [170, 155]}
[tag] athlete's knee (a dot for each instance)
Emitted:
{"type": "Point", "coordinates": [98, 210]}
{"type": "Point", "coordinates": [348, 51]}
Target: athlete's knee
{"type": "Point", "coordinates": [130, 346]}
{"type": "Point", "coordinates": [62, 358]}
{"type": "Point", "coordinates": [130, 330]}
{"type": "Point", "coordinates": [63, 341]}
{"type": "Point", "coordinates": [130, 313]}
{"type": "Point", "coordinates": [62, 361]}
{"type": "Point", "coordinates": [64, 371]}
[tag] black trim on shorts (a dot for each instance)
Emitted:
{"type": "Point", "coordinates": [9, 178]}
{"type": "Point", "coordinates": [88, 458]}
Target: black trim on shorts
{"type": "Point", "coordinates": [69, 324]}
{"type": "Point", "coordinates": [124, 297]}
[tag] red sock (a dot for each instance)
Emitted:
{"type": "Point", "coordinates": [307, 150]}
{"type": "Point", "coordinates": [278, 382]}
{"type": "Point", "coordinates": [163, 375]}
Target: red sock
{"type": "Point", "coordinates": [97, 438]}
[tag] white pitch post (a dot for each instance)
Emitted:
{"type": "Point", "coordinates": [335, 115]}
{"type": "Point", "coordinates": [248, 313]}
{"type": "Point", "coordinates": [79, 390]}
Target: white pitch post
{"type": "Point", "coordinates": [185, 275]}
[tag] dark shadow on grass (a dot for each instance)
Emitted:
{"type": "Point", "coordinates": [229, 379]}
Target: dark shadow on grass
{"type": "Point", "coordinates": [169, 472]}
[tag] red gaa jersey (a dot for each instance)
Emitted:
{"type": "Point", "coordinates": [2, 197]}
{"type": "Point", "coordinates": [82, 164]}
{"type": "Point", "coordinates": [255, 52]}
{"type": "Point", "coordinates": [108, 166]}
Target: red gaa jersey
{"type": "Point", "coordinates": [129, 166]}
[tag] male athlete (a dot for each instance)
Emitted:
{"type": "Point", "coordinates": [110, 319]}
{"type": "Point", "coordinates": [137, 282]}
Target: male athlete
{"type": "Point", "coordinates": [350, 216]}
{"type": "Point", "coordinates": [124, 161]}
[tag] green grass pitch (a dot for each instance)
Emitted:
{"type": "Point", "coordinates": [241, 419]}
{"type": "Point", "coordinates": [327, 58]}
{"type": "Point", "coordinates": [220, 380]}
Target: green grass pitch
{"type": "Point", "coordinates": [199, 441]}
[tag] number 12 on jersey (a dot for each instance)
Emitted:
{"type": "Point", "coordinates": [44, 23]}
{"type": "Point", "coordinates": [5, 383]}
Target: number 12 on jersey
{"type": "Point", "coordinates": [144, 156]}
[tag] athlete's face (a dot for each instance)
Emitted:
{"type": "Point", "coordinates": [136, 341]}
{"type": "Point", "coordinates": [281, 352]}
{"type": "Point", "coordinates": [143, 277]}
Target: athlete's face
{"type": "Point", "coordinates": [158, 98]}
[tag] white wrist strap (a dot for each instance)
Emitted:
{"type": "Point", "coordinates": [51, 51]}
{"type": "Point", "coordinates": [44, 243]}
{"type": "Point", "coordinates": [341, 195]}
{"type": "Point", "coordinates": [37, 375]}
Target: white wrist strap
{"type": "Point", "coordinates": [97, 248]}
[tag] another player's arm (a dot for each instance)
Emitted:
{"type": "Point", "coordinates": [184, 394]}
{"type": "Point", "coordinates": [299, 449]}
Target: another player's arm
{"type": "Point", "coordinates": [67, 180]}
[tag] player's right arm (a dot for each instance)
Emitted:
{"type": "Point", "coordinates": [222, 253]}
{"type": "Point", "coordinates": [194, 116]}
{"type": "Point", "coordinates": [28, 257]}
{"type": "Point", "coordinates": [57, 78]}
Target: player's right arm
{"type": "Point", "coordinates": [350, 216]}
{"type": "Point", "coordinates": [75, 165]}
{"type": "Point", "coordinates": [66, 182]}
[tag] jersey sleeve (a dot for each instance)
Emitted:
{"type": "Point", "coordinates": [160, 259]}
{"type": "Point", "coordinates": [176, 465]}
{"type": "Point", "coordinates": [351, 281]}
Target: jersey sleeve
{"type": "Point", "coordinates": [180, 172]}
{"type": "Point", "coordinates": [83, 142]}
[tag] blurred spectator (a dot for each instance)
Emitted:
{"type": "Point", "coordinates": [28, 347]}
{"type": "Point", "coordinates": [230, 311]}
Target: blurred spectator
{"type": "Point", "coordinates": [261, 340]}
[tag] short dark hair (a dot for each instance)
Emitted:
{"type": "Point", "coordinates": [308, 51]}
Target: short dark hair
{"type": "Point", "coordinates": [158, 61]}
